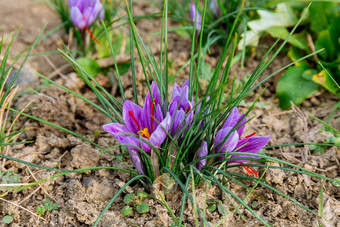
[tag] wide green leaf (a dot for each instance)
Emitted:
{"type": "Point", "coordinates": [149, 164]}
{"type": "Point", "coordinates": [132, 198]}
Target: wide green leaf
{"type": "Point", "coordinates": [126, 211]}
{"type": "Point", "coordinates": [298, 40]}
{"type": "Point", "coordinates": [142, 208]}
{"type": "Point", "coordinates": [294, 87]}
{"type": "Point", "coordinates": [322, 15]}
{"type": "Point", "coordinates": [326, 81]}
{"type": "Point", "coordinates": [128, 198]}
{"type": "Point", "coordinates": [325, 41]}
{"type": "Point", "coordinates": [89, 65]}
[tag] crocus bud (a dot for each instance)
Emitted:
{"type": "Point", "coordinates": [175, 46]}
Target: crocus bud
{"type": "Point", "coordinates": [193, 12]}
{"type": "Point", "coordinates": [84, 12]}
{"type": "Point", "coordinates": [215, 9]}
{"type": "Point", "coordinates": [203, 151]}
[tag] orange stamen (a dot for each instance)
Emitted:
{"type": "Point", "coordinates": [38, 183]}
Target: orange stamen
{"type": "Point", "coordinates": [253, 134]}
{"type": "Point", "coordinates": [144, 133]}
{"type": "Point", "coordinates": [92, 36]}
{"type": "Point", "coordinates": [134, 119]}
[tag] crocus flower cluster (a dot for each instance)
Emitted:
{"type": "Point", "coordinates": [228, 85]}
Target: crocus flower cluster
{"type": "Point", "coordinates": [143, 128]}
{"type": "Point", "coordinates": [84, 12]}
{"type": "Point", "coordinates": [229, 139]}
{"type": "Point", "coordinates": [146, 128]}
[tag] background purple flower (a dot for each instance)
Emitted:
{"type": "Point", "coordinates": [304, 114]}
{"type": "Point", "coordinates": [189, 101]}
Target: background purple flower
{"type": "Point", "coordinates": [203, 151]}
{"type": "Point", "coordinates": [84, 12]}
{"type": "Point", "coordinates": [193, 12]}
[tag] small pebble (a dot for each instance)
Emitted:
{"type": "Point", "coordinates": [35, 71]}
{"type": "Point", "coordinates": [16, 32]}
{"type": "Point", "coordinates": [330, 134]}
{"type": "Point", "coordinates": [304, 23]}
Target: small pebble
{"type": "Point", "coordinates": [120, 183]}
{"type": "Point", "coordinates": [87, 182]}
{"type": "Point", "coordinates": [25, 79]}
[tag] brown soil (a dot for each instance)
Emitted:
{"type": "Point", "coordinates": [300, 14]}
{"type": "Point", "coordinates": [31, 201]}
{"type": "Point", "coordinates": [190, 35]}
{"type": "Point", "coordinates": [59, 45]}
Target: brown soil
{"type": "Point", "coordinates": [82, 196]}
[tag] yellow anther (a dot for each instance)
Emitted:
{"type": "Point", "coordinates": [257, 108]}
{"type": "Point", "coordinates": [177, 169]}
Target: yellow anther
{"type": "Point", "coordinates": [144, 133]}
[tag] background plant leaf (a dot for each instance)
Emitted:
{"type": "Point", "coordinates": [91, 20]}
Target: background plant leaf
{"type": "Point", "coordinates": [322, 14]}
{"type": "Point", "coordinates": [89, 65]}
{"type": "Point", "coordinates": [293, 87]}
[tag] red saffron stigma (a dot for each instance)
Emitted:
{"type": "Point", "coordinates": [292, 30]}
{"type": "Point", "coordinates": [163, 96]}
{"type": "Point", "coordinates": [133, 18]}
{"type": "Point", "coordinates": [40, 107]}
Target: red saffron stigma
{"type": "Point", "coordinates": [134, 119]}
{"type": "Point", "coordinates": [92, 36]}
{"type": "Point", "coordinates": [188, 109]}
{"type": "Point", "coordinates": [253, 134]}
{"type": "Point", "coordinates": [250, 170]}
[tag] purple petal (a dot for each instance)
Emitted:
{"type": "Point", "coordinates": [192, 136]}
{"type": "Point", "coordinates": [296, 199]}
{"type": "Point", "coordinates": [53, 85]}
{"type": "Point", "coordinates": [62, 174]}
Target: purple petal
{"type": "Point", "coordinates": [116, 130]}
{"type": "Point", "coordinates": [230, 142]}
{"type": "Point", "coordinates": [176, 90]}
{"type": "Point", "coordinates": [250, 145]}
{"type": "Point", "coordinates": [136, 161]}
{"type": "Point", "coordinates": [186, 84]}
{"type": "Point", "coordinates": [152, 116]}
{"type": "Point", "coordinates": [88, 3]}
{"type": "Point", "coordinates": [159, 135]}
{"type": "Point", "coordinates": [73, 3]}
{"type": "Point", "coordinates": [177, 122]}
{"type": "Point", "coordinates": [181, 102]}
{"type": "Point", "coordinates": [214, 8]}
{"type": "Point", "coordinates": [155, 93]}
{"type": "Point", "coordinates": [232, 120]}
{"type": "Point", "coordinates": [203, 151]}
{"type": "Point", "coordinates": [174, 105]}
{"type": "Point", "coordinates": [87, 13]}
{"type": "Point", "coordinates": [193, 12]}
{"type": "Point", "coordinates": [158, 115]}
{"type": "Point", "coordinates": [133, 116]}
{"type": "Point", "coordinates": [96, 9]}
{"type": "Point", "coordinates": [77, 18]}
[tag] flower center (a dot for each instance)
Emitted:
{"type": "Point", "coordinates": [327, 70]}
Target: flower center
{"type": "Point", "coordinates": [144, 133]}
{"type": "Point", "coordinates": [250, 170]}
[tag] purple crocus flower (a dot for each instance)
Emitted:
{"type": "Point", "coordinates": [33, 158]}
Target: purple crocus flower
{"type": "Point", "coordinates": [214, 8]}
{"type": "Point", "coordinates": [180, 108]}
{"type": "Point", "coordinates": [84, 12]}
{"type": "Point", "coordinates": [193, 12]}
{"type": "Point", "coordinates": [235, 141]}
{"type": "Point", "coordinates": [148, 123]}
{"type": "Point", "coordinates": [203, 151]}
